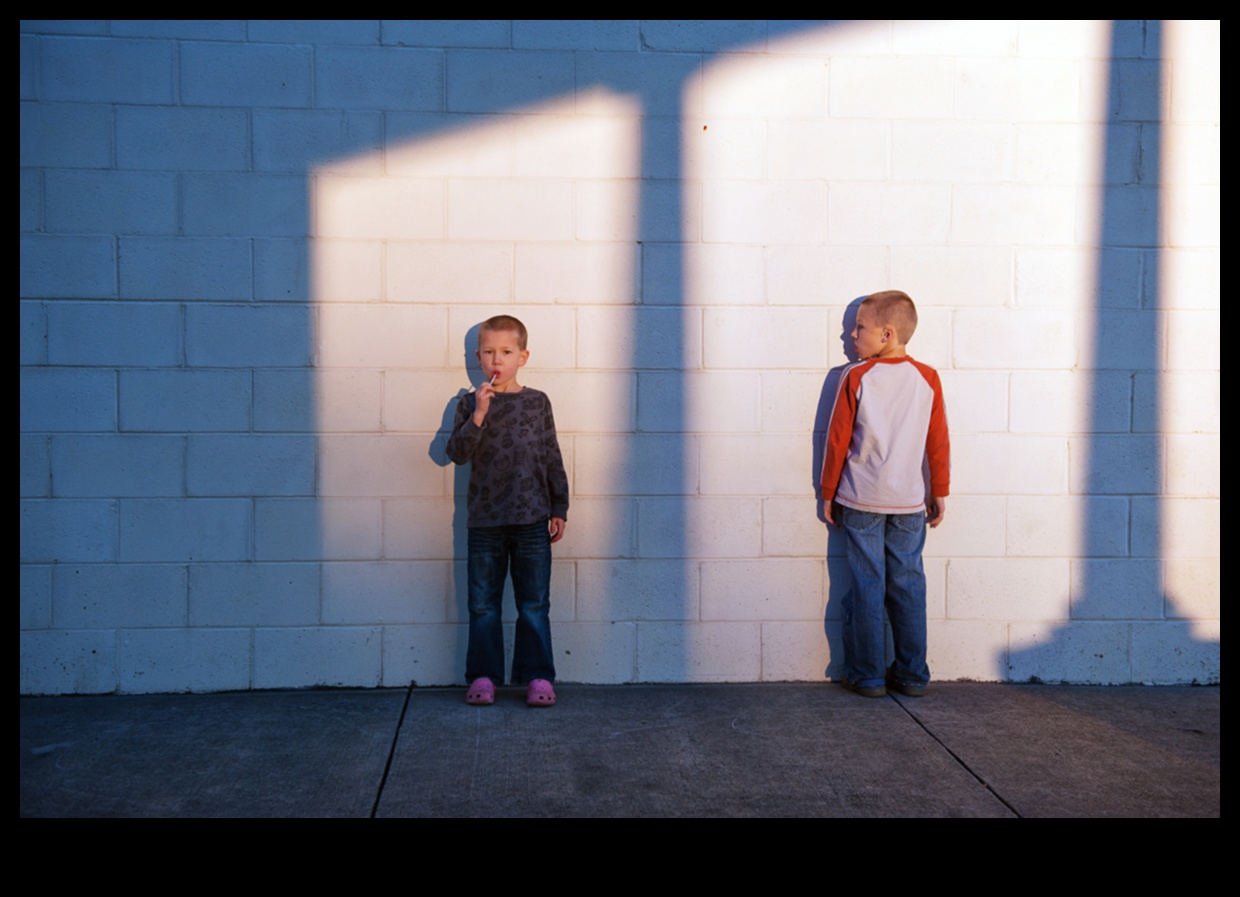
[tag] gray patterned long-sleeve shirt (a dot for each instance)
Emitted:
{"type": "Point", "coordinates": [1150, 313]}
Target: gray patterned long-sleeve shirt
{"type": "Point", "coordinates": [516, 471]}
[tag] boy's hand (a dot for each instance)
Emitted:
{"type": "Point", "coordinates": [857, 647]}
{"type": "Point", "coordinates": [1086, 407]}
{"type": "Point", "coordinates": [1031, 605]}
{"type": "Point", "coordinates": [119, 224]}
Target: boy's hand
{"type": "Point", "coordinates": [828, 511]}
{"type": "Point", "coordinates": [556, 528]}
{"type": "Point", "coordinates": [936, 510]}
{"type": "Point", "coordinates": [482, 401]}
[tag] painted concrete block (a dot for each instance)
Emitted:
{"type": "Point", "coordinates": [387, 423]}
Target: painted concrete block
{"type": "Point", "coordinates": [377, 208]}
{"type": "Point", "coordinates": [953, 151]}
{"type": "Point", "coordinates": [253, 594]}
{"type": "Point", "coordinates": [1058, 38]}
{"type": "Point", "coordinates": [105, 334]}
{"type": "Point", "coordinates": [389, 592]}
{"type": "Point", "coordinates": [686, 36]}
{"type": "Point", "coordinates": [975, 526]}
{"type": "Point", "coordinates": [698, 527]}
{"type": "Point", "coordinates": [857, 38]}
{"type": "Point", "coordinates": [586, 401]}
{"type": "Point", "coordinates": [179, 401]}
{"type": "Point", "coordinates": [826, 275]}
{"type": "Point", "coordinates": [768, 589]}
{"type": "Point", "coordinates": [1176, 527]}
{"type": "Point", "coordinates": [424, 401]}
{"type": "Point", "coordinates": [952, 276]}
{"type": "Point", "coordinates": [699, 652]}
{"type": "Point", "coordinates": [977, 402]}
{"type": "Point", "coordinates": [379, 466]}
{"type": "Point", "coordinates": [68, 135]}
{"type": "Point", "coordinates": [967, 650]}
{"type": "Point", "coordinates": [1071, 402]}
{"type": "Point", "coordinates": [791, 527]}
{"type": "Point", "coordinates": [1177, 653]}
{"type": "Point", "coordinates": [110, 202]}
{"type": "Point", "coordinates": [766, 86]}
{"type": "Point", "coordinates": [246, 74]}
{"type": "Point", "coordinates": [757, 465]}
{"type": "Point", "coordinates": [30, 208]}
{"type": "Point", "coordinates": [1128, 340]}
{"type": "Point", "coordinates": [1007, 589]}
{"type": "Point", "coordinates": [452, 273]}
{"type": "Point", "coordinates": [247, 336]}
{"type": "Point", "coordinates": [1067, 526]}
{"type": "Point", "coordinates": [54, 662]}
{"type": "Point", "coordinates": [32, 335]}
{"type": "Point", "coordinates": [779, 338]}
{"type": "Point", "coordinates": [886, 88]}
{"type": "Point", "coordinates": [600, 528]}
{"type": "Point", "coordinates": [1070, 652]}
{"type": "Point", "coordinates": [992, 214]}
{"type": "Point", "coordinates": [1077, 152]}
{"type": "Point", "coordinates": [559, 144]}
{"type": "Point", "coordinates": [664, 211]}
{"type": "Point", "coordinates": [1015, 89]}
{"type": "Point", "coordinates": [644, 338]}
{"type": "Point", "coordinates": [152, 661]}
{"type": "Point", "coordinates": [799, 651]}
{"type": "Point", "coordinates": [790, 402]}
{"type": "Point", "coordinates": [1193, 588]}
{"type": "Point", "coordinates": [67, 399]}
{"type": "Point", "coordinates": [342, 271]}
{"type": "Point", "coordinates": [533, 209]}
{"type": "Point", "coordinates": [97, 596]}
{"type": "Point", "coordinates": [115, 465]}
{"type": "Point", "coordinates": [348, 401]}
{"type": "Point", "coordinates": [60, 266]}
{"type": "Point", "coordinates": [1177, 402]}
{"type": "Point", "coordinates": [35, 467]}
{"type": "Point", "coordinates": [955, 38]}
{"type": "Point", "coordinates": [250, 465]}
{"type": "Point", "coordinates": [821, 149]}
{"type": "Point", "coordinates": [424, 528]}
{"type": "Point", "coordinates": [715, 402]}
{"type": "Point", "coordinates": [340, 529]}
{"type": "Point", "coordinates": [1184, 342]}
{"type": "Point", "coordinates": [706, 149]}
{"type": "Point", "coordinates": [374, 336]}
{"type": "Point", "coordinates": [107, 71]}
{"type": "Point", "coordinates": [575, 34]}
{"type": "Point", "coordinates": [315, 31]}
{"type": "Point", "coordinates": [446, 144]}
{"type": "Point", "coordinates": [378, 78]}
{"type": "Point", "coordinates": [204, 529]}
{"type": "Point", "coordinates": [1118, 589]}
{"type": "Point", "coordinates": [481, 81]}
{"type": "Point", "coordinates": [282, 270]}
{"type": "Point", "coordinates": [332, 656]}
{"type": "Point", "coordinates": [1083, 279]}
{"type": "Point", "coordinates": [1116, 464]}
{"type": "Point", "coordinates": [686, 274]}
{"type": "Point", "coordinates": [286, 400]}
{"type": "Point", "coordinates": [637, 590]}
{"type": "Point", "coordinates": [668, 85]}
{"type": "Point", "coordinates": [764, 212]}
{"type": "Point", "coordinates": [234, 205]}
{"type": "Point", "coordinates": [185, 268]}
{"type": "Point", "coordinates": [576, 273]}
{"type": "Point", "coordinates": [892, 214]}
{"type": "Point", "coordinates": [424, 654]}
{"type": "Point", "coordinates": [596, 653]}
{"type": "Point", "coordinates": [448, 33]}
{"type": "Point", "coordinates": [35, 596]}
{"type": "Point", "coordinates": [67, 531]}
{"type": "Point", "coordinates": [1006, 338]}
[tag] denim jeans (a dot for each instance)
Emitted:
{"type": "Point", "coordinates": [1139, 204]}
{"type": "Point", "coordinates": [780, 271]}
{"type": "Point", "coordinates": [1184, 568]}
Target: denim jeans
{"type": "Point", "coordinates": [884, 554]}
{"type": "Point", "coordinates": [491, 549]}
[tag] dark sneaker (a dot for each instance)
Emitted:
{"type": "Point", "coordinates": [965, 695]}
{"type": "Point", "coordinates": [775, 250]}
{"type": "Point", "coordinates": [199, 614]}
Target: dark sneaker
{"type": "Point", "coordinates": [908, 689]}
{"type": "Point", "coordinates": [866, 691]}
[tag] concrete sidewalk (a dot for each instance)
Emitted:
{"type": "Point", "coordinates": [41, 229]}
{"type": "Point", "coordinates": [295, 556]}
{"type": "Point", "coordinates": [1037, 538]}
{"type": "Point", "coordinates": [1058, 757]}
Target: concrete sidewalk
{"type": "Point", "coordinates": [795, 749]}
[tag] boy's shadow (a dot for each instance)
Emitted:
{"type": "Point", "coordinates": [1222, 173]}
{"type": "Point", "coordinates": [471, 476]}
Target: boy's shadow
{"type": "Point", "coordinates": [438, 452]}
{"type": "Point", "coordinates": [839, 580]}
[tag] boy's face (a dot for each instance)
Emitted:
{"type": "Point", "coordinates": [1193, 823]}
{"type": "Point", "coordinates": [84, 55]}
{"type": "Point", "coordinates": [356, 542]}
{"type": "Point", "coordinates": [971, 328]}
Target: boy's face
{"type": "Point", "coordinates": [870, 338]}
{"type": "Point", "coordinates": [500, 355]}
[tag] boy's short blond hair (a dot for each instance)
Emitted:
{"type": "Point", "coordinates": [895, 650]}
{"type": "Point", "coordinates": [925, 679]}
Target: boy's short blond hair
{"type": "Point", "coordinates": [895, 309]}
{"type": "Point", "coordinates": [506, 322]}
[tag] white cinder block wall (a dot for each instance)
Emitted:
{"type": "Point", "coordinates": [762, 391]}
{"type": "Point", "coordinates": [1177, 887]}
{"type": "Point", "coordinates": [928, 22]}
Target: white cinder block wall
{"type": "Point", "coordinates": [253, 255]}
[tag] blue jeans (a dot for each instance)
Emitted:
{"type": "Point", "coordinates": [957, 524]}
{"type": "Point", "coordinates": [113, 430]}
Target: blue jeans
{"type": "Point", "coordinates": [884, 554]}
{"type": "Point", "coordinates": [528, 548]}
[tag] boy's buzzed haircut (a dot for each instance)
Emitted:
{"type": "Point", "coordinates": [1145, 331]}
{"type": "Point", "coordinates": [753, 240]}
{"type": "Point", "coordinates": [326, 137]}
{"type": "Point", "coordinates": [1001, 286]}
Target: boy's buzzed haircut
{"type": "Point", "coordinates": [893, 308]}
{"type": "Point", "coordinates": [506, 322]}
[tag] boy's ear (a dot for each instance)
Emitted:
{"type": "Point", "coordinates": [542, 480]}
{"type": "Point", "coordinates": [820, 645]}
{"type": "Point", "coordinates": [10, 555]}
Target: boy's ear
{"type": "Point", "coordinates": [525, 356]}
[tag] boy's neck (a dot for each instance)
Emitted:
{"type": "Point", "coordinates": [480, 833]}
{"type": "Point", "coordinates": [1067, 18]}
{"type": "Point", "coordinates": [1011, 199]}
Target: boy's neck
{"type": "Point", "coordinates": [510, 386]}
{"type": "Point", "coordinates": [892, 350]}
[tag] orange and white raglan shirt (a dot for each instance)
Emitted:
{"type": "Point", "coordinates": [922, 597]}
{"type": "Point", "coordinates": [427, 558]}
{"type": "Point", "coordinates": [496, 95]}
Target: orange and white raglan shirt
{"type": "Point", "coordinates": [887, 439]}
